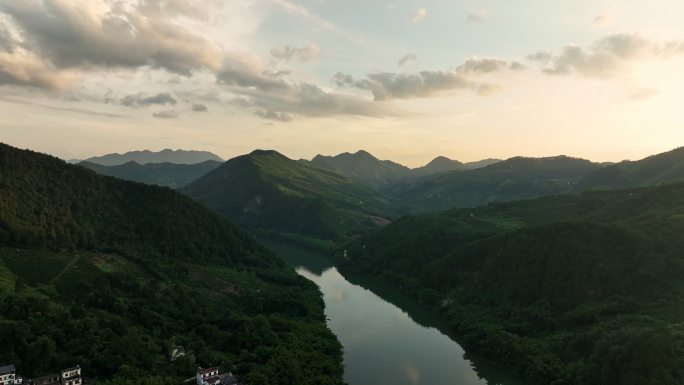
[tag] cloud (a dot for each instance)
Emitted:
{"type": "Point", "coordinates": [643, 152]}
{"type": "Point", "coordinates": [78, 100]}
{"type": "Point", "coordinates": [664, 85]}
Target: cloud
{"type": "Point", "coordinates": [54, 108]}
{"type": "Point", "coordinates": [482, 65]}
{"type": "Point", "coordinates": [605, 58]}
{"type": "Point", "coordinates": [248, 71]}
{"type": "Point", "coordinates": [84, 34]}
{"type": "Point", "coordinates": [389, 85]}
{"type": "Point", "coordinates": [409, 58]}
{"type": "Point", "coordinates": [479, 16]}
{"type": "Point", "coordinates": [275, 116]}
{"type": "Point", "coordinates": [21, 68]}
{"type": "Point", "coordinates": [606, 18]}
{"type": "Point", "coordinates": [303, 54]}
{"type": "Point", "coordinates": [170, 114]}
{"type": "Point", "coordinates": [310, 100]}
{"type": "Point", "coordinates": [141, 100]}
{"type": "Point", "coordinates": [418, 16]}
{"type": "Point", "coordinates": [643, 93]}
{"type": "Point", "coordinates": [199, 107]}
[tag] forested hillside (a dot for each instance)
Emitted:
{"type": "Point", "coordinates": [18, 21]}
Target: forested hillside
{"type": "Point", "coordinates": [110, 274]}
{"type": "Point", "coordinates": [515, 178]}
{"type": "Point", "coordinates": [579, 289]}
{"type": "Point", "coordinates": [161, 174]}
{"type": "Point", "coordinates": [266, 192]}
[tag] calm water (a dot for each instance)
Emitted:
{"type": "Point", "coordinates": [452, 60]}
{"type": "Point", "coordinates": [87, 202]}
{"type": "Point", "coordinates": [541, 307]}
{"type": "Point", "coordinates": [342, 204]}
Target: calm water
{"type": "Point", "coordinates": [388, 339]}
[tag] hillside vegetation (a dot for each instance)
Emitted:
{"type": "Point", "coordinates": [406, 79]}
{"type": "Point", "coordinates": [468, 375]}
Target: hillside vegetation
{"type": "Point", "coordinates": [577, 289]}
{"type": "Point", "coordinates": [110, 274]}
{"type": "Point", "coordinates": [512, 179]}
{"type": "Point", "coordinates": [160, 174]}
{"type": "Point", "coordinates": [267, 192]}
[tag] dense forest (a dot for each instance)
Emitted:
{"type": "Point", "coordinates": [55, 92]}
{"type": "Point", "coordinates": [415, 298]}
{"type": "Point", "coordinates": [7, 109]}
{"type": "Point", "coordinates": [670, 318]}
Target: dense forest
{"type": "Point", "coordinates": [161, 174]}
{"type": "Point", "coordinates": [110, 275]}
{"type": "Point", "coordinates": [577, 289]}
{"type": "Point", "coordinates": [268, 193]}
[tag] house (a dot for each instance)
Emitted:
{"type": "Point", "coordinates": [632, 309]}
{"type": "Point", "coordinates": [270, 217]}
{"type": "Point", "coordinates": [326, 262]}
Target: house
{"type": "Point", "coordinates": [204, 375]}
{"type": "Point", "coordinates": [211, 376]}
{"type": "Point", "coordinates": [8, 376]}
{"type": "Point", "coordinates": [52, 379]}
{"type": "Point", "coordinates": [71, 376]}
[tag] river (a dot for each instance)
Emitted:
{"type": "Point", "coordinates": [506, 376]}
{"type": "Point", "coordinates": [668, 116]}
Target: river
{"type": "Point", "coordinates": [388, 338]}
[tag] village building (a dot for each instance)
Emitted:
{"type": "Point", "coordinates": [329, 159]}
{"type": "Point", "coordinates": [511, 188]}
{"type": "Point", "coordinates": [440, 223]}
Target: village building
{"type": "Point", "coordinates": [8, 376]}
{"type": "Point", "coordinates": [52, 379]}
{"type": "Point", "coordinates": [211, 376]}
{"type": "Point", "coordinates": [71, 376]}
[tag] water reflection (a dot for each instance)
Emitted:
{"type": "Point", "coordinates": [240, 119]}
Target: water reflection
{"type": "Point", "coordinates": [388, 339]}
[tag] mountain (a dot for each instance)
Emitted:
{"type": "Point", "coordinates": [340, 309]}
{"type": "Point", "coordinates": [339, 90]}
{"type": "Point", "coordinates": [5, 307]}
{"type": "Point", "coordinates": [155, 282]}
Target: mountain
{"type": "Point", "coordinates": [110, 274]}
{"type": "Point", "coordinates": [438, 165]}
{"type": "Point", "coordinates": [161, 174]}
{"type": "Point", "coordinates": [515, 178]}
{"type": "Point", "coordinates": [480, 163]}
{"type": "Point", "coordinates": [570, 289]}
{"type": "Point", "coordinates": [364, 168]}
{"type": "Point", "coordinates": [146, 156]}
{"type": "Point", "coordinates": [657, 169]}
{"type": "Point", "coordinates": [266, 191]}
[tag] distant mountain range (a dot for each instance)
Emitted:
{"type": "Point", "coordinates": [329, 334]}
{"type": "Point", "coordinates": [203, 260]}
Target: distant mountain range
{"type": "Point", "coordinates": [658, 169]}
{"type": "Point", "coordinates": [146, 156]}
{"type": "Point", "coordinates": [336, 198]}
{"type": "Point", "coordinates": [161, 174]}
{"type": "Point", "coordinates": [515, 178]}
{"type": "Point", "coordinates": [266, 191]}
{"type": "Point", "coordinates": [385, 174]}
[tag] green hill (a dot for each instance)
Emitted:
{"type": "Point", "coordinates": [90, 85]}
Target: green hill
{"type": "Point", "coordinates": [438, 165]}
{"type": "Point", "coordinates": [110, 274]}
{"type": "Point", "coordinates": [515, 178]}
{"type": "Point", "coordinates": [657, 169]}
{"type": "Point", "coordinates": [161, 174]}
{"type": "Point", "coordinates": [575, 289]}
{"type": "Point", "coordinates": [267, 192]}
{"type": "Point", "coordinates": [363, 168]}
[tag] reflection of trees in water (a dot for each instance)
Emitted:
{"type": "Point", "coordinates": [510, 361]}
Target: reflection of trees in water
{"type": "Point", "coordinates": [318, 264]}
{"type": "Point", "coordinates": [429, 319]}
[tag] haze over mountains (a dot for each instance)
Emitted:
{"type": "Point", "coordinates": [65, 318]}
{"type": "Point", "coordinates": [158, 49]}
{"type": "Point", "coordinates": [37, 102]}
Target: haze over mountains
{"type": "Point", "coordinates": [162, 174]}
{"type": "Point", "coordinates": [164, 156]}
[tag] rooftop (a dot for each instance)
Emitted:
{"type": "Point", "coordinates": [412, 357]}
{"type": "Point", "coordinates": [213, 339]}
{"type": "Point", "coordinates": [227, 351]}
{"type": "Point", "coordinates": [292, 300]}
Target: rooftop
{"type": "Point", "coordinates": [207, 370]}
{"type": "Point", "coordinates": [7, 369]}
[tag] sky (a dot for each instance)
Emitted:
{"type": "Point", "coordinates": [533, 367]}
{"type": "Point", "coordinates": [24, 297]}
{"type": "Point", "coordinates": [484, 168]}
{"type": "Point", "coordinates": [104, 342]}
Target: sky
{"type": "Point", "coordinates": [404, 80]}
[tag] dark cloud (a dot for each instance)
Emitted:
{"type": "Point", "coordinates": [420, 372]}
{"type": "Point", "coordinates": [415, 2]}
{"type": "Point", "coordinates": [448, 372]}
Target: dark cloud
{"type": "Point", "coordinates": [77, 35]}
{"type": "Point", "coordinates": [605, 58]}
{"type": "Point", "coordinates": [288, 53]}
{"type": "Point", "coordinates": [199, 108]}
{"type": "Point", "coordinates": [409, 58]}
{"type": "Point", "coordinates": [141, 100]}
{"type": "Point", "coordinates": [248, 71]}
{"type": "Point", "coordinates": [170, 114]}
{"type": "Point", "coordinates": [275, 116]}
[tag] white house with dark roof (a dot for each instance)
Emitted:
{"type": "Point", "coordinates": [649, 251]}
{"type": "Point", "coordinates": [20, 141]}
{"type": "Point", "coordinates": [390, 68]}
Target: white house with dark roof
{"type": "Point", "coordinates": [8, 376]}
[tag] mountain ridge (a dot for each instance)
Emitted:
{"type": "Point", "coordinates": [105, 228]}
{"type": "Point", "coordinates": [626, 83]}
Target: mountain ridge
{"type": "Point", "coordinates": [146, 156]}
